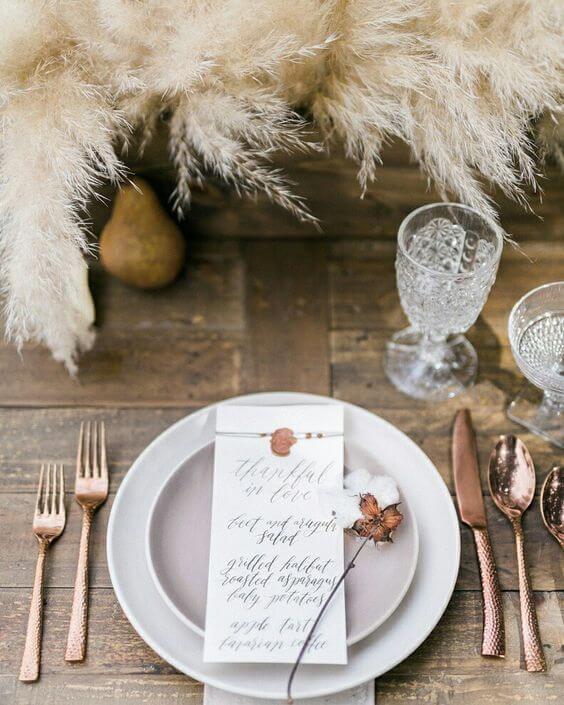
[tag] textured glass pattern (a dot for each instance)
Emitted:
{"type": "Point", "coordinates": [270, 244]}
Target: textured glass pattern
{"type": "Point", "coordinates": [444, 305]}
{"type": "Point", "coordinates": [542, 345]}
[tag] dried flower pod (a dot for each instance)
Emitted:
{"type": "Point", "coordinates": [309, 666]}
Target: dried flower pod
{"type": "Point", "coordinates": [376, 524]}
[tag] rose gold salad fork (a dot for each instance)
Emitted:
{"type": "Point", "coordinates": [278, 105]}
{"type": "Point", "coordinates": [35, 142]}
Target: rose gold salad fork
{"type": "Point", "coordinates": [48, 525]}
{"type": "Point", "coordinates": [91, 490]}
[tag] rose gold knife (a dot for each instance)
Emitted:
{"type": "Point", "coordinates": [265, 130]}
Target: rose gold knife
{"type": "Point", "coordinates": [473, 513]}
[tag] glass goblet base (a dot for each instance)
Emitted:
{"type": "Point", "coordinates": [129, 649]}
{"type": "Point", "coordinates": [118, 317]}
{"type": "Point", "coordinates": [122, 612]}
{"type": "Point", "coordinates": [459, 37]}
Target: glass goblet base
{"type": "Point", "coordinates": [430, 370]}
{"type": "Point", "coordinates": [543, 414]}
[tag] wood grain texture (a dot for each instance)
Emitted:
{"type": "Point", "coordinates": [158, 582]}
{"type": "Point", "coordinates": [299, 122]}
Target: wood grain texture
{"type": "Point", "coordinates": [287, 339]}
{"type": "Point", "coordinates": [63, 689]}
{"type": "Point", "coordinates": [53, 433]}
{"type": "Point", "coordinates": [208, 295]}
{"type": "Point", "coordinates": [331, 188]}
{"type": "Point", "coordinates": [358, 373]}
{"type": "Point", "coordinates": [151, 367]}
{"type": "Point", "coordinates": [474, 689]}
{"type": "Point", "coordinates": [364, 295]}
{"type": "Point", "coordinates": [180, 345]}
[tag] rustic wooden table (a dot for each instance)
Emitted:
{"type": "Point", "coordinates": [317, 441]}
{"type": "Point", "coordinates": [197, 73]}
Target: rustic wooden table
{"type": "Point", "coordinates": [268, 304]}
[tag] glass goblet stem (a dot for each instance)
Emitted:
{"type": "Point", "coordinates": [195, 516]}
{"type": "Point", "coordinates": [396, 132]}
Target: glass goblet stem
{"type": "Point", "coordinates": [433, 347]}
{"type": "Point", "coordinates": [552, 405]}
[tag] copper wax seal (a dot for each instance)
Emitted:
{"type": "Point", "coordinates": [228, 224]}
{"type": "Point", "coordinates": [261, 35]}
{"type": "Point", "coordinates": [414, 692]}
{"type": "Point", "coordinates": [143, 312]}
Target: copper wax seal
{"type": "Point", "coordinates": [281, 441]}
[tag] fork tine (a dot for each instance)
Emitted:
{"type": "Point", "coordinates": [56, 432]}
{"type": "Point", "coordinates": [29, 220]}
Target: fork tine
{"type": "Point", "coordinates": [79, 467]}
{"type": "Point", "coordinates": [86, 456]}
{"type": "Point", "coordinates": [49, 498]}
{"type": "Point", "coordinates": [61, 489]}
{"type": "Point", "coordinates": [95, 466]}
{"type": "Point", "coordinates": [54, 490]}
{"type": "Point", "coordinates": [47, 489]}
{"type": "Point", "coordinates": [103, 460]}
{"type": "Point", "coordinates": [40, 490]}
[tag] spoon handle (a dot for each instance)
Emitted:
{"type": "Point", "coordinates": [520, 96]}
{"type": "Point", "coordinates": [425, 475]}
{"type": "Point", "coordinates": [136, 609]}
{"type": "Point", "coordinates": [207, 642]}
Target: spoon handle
{"type": "Point", "coordinates": [532, 645]}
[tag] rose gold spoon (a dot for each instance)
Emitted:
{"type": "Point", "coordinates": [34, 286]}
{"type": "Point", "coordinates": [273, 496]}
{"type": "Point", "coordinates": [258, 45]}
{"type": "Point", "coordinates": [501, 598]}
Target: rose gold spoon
{"type": "Point", "coordinates": [512, 487]}
{"type": "Point", "coordinates": [552, 503]}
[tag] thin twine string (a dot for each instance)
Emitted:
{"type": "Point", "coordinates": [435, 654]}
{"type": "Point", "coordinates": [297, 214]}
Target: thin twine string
{"type": "Point", "coordinates": [300, 434]}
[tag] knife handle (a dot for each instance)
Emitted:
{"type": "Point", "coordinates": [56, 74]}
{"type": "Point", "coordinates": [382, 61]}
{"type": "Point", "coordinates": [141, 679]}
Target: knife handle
{"type": "Point", "coordinates": [493, 636]}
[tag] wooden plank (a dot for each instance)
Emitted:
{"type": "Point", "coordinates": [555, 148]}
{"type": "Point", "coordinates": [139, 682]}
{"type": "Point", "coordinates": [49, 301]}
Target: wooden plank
{"type": "Point", "coordinates": [65, 689]}
{"type": "Point", "coordinates": [179, 345]}
{"type": "Point", "coordinates": [358, 373]}
{"type": "Point", "coordinates": [476, 689]}
{"type": "Point", "coordinates": [330, 185]}
{"type": "Point", "coordinates": [442, 689]}
{"type": "Point", "coordinates": [453, 647]}
{"type": "Point", "coordinates": [18, 549]}
{"type": "Point", "coordinates": [208, 295]}
{"type": "Point", "coordinates": [358, 377]}
{"type": "Point", "coordinates": [286, 344]}
{"type": "Point", "coordinates": [32, 436]}
{"type": "Point", "coordinates": [113, 645]}
{"type": "Point", "coordinates": [151, 367]}
{"type": "Point", "coordinates": [431, 429]}
{"type": "Point", "coordinates": [364, 294]}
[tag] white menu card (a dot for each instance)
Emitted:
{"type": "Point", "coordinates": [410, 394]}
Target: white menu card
{"type": "Point", "coordinates": [274, 557]}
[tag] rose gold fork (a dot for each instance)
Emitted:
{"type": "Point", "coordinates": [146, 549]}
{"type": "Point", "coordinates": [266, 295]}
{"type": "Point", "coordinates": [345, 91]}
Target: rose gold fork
{"type": "Point", "coordinates": [48, 525]}
{"type": "Point", "coordinates": [91, 490]}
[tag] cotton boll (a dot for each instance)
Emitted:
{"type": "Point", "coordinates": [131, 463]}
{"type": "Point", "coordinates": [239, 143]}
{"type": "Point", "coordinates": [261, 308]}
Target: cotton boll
{"type": "Point", "coordinates": [343, 506]}
{"type": "Point", "coordinates": [358, 480]}
{"type": "Point", "coordinates": [384, 488]}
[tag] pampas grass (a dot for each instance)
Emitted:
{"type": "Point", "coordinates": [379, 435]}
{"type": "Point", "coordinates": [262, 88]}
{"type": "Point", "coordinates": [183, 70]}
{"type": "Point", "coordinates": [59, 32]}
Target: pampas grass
{"type": "Point", "coordinates": [459, 80]}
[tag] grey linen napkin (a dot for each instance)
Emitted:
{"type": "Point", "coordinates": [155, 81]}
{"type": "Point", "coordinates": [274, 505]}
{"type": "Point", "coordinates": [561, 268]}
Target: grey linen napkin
{"type": "Point", "coordinates": [361, 695]}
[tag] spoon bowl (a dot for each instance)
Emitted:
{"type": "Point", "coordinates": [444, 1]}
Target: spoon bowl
{"type": "Point", "coordinates": [511, 476]}
{"type": "Point", "coordinates": [552, 503]}
{"type": "Point", "coordinates": [512, 486]}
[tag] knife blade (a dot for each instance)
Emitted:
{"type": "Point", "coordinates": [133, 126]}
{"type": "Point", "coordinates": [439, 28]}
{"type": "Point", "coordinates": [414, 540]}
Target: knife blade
{"type": "Point", "coordinates": [472, 512]}
{"type": "Point", "coordinates": [467, 472]}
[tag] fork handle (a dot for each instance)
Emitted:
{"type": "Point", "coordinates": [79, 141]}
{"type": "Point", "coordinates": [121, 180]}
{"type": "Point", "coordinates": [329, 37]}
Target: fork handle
{"type": "Point", "coordinates": [31, 658]}
{"type": "Point", "coordinates": [532, 644]}
{"type": "Point", "coordinates": [76, 641]}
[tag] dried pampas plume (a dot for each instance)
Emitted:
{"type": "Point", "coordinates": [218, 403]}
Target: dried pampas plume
{"type": "Point", "coordinates": [458, 80]}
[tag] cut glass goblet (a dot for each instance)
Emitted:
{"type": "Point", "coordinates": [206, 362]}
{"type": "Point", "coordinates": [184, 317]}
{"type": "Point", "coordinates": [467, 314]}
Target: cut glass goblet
{"type": "Point", "coordinates": [446, 263]}
{"type": "Point", "coordinates": [536, 336]}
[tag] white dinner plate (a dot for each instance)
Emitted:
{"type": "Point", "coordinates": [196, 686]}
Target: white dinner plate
{"type": "Point", "coordinates": [182, 508]}
{"type": "Point", "coordinates": [437, 568]}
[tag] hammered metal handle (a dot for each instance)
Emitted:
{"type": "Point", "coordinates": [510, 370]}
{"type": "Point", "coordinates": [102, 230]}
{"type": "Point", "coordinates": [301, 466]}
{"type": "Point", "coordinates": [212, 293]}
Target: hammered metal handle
{"type": "Point", "coordinates": [76, 641]}
{"type": "Point", "coordinates": [493, 635]}
{"type": "Point", "coordinates": [532, 645]}
{"type": "Point", "coordinates": [31, 659]}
